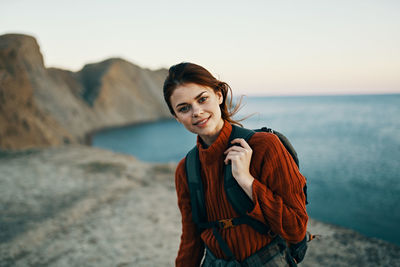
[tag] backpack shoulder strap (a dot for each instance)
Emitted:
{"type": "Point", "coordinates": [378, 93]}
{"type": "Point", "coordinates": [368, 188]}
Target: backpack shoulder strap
{"type": "Point", "coordinates": [193, 174]}
{"type": "Point", "coordinates": [286, 143]}
{"type": "Point", "coordinates": [240, 132]}
{"type": "Point", "coordinates": [239, 200]}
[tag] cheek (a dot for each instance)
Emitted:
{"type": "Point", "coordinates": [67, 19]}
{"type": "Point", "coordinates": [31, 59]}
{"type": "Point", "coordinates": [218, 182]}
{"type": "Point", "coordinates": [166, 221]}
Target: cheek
{"type": "Point", "coordinates": [183, 118]}
{"type": "Point", "coordinates": [217, 107]}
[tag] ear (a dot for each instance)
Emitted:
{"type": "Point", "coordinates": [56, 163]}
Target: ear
{"type": "Point", "coordinates": [219, 97]}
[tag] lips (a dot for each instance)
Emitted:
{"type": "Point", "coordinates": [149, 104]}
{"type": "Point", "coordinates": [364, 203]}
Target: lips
{"type": "Point", "coordinates": [201, 122]}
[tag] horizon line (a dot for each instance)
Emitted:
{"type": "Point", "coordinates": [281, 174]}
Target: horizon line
{"type": "Point", "coordinates": [315, 94]}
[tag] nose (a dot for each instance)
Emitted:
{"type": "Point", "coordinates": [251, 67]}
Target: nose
{"type": "Point", "coordinates": [197, 110]}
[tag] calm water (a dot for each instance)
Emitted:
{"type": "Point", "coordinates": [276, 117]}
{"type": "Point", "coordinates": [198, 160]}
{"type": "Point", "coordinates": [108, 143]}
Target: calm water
{"type": "Point", "coordinates": [348, 146]}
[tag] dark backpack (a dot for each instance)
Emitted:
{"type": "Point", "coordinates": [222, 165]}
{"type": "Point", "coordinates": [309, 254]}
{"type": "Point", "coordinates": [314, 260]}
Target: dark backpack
{"type": "Point", "coordinates": [239, 200]}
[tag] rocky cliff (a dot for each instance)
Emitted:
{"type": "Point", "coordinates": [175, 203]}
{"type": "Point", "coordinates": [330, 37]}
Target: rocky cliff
{"type": "Point", "coordinates": [42, 106]}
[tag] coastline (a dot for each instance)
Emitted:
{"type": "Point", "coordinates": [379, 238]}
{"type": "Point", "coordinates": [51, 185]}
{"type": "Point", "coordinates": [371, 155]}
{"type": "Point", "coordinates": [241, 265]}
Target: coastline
{"type": "Point", "coordinates": [88, 137]}
{"type": "Point", "coordinates": [322, 219]}
{"type": "Point", "coordinates": [77, 205]}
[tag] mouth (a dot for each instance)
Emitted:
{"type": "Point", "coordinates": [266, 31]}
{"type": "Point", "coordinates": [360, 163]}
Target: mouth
{"type": "Point", "coordinates": [202, 122]}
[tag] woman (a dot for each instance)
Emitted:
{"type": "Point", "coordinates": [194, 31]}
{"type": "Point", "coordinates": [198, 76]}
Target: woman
{"type": "Point", "coordinates": [262, 167]}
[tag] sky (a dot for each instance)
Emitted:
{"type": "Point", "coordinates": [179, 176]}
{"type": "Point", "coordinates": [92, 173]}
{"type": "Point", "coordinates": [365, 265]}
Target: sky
{"type": "Point", "coordinates": [258, 47]}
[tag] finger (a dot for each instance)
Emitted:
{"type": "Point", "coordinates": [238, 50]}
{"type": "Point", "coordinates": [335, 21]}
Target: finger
{"type": "Point", "coordinates": [242, 142]}
{"type": "Point", "coordinates": [233, 156]}
{"type": "Point", "coordinates": [236, 153]}
{"type": "Point", "coordinates": [239, 148]}
{"type": "Point", "coordinates": [228, 160]}
{"type": "Point", "coordinates": [234, 148]}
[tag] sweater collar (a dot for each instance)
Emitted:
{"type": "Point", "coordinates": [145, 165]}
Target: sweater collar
{"type": "Point", "coordinates": [216, 151]}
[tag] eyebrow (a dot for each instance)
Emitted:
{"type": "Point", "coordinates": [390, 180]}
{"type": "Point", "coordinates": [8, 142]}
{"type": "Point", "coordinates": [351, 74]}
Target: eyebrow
{"type": "Point", "coordinates": [197, 97]}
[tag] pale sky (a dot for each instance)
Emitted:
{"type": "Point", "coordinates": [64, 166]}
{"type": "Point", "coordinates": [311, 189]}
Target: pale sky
{"type": "Point", "coordinates": [258, 47]}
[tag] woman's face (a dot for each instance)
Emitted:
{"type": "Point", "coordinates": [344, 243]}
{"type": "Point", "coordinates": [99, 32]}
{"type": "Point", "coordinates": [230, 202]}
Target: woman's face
{"type": "Point", "coordinates": [197, 108]}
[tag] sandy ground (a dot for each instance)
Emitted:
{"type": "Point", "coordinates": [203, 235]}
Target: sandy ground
{"type": "Point", "coordinates": [83, 206]}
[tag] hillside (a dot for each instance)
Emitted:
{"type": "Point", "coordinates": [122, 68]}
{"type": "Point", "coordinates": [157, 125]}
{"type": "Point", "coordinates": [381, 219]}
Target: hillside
{"type": "Point", "coordinates": [42, 106]}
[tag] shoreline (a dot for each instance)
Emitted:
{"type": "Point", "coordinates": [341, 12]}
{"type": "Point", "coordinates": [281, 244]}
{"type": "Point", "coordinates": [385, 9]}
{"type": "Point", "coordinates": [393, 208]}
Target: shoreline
{"type": "Point", "coordinates": [88, 137]}
{"type": "Point", "coordinates": [77, 205]}
{"type": "Point", "coordinates": [161, 120]}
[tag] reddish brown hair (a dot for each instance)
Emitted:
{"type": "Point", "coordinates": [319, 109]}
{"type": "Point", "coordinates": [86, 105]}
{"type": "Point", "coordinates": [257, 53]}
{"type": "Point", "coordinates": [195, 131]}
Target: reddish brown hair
{"type": "Point", "coordinates": [185, 72]}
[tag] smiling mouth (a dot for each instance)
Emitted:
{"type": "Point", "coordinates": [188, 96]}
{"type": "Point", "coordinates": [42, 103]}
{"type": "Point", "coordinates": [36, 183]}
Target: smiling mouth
{"type": "Point", "coordinates": [201, 122]}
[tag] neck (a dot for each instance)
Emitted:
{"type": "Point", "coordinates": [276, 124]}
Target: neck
{"type": "Point", "coordinates": [209, 139]}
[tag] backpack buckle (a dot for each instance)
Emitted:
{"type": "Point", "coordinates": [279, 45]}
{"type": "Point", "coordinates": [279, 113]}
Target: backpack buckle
{"type": "Point", "coordinates": [225, 223]}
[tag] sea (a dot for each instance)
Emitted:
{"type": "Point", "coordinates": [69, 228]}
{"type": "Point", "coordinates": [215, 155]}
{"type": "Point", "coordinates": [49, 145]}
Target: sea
{"type": "Point", "coordinates": [348, 148]}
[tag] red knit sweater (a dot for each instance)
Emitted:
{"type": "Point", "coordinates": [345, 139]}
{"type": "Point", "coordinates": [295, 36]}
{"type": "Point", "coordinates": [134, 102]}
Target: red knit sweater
{"type": "Point", "coordinates": [277, 194]}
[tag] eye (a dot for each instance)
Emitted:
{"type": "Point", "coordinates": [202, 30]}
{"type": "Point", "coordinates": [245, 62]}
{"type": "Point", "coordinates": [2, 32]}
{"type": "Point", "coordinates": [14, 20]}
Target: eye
{"type": "Point", "coordinates": [202, 99]}
{"type": "Point", "coordinates": [184, 109]}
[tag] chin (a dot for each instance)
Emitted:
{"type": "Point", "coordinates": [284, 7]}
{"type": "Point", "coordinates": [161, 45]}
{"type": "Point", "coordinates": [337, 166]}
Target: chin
{"type": "Point", "coordinates": [210, 130]}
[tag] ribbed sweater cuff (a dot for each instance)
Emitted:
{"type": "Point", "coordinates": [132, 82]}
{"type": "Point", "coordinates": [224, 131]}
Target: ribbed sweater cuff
{"type": "Point", "coordinates": [257, 189]}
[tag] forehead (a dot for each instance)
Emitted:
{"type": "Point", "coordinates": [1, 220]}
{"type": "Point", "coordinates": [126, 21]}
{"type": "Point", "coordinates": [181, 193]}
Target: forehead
{"type": "Point", "coordinates": [188, 92]}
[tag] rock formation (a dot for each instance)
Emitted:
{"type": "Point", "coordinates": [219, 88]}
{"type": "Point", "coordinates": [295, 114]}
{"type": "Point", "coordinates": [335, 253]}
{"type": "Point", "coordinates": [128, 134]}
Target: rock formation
{"type": "Point", "coordinates": [42, 106]}
{"type": "Point", "coordinates": [22, 122]}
